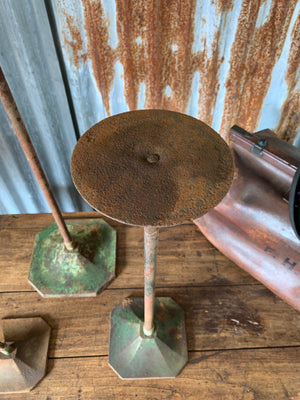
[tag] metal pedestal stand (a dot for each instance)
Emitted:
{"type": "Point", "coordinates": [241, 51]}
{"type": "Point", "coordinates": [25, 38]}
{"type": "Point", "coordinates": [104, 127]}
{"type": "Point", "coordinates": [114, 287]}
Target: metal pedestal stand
{"type": "Point", "coordinates": [150, 168]}
{"type": "Point", "coordinates": [73, 259]}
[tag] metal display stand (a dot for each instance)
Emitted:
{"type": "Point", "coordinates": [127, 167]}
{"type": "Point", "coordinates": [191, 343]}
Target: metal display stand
{"type": "Point", "coordinates": [150, 168]}
{"type": "Point", "coordinates": [70, 258]}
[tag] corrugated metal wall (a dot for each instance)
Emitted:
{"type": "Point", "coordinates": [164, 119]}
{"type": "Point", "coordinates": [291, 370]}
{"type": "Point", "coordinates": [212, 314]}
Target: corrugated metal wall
{"type": "Point", "coordinates": [29, 61]}
{"type": "Point", "coordinates": [71, 63]}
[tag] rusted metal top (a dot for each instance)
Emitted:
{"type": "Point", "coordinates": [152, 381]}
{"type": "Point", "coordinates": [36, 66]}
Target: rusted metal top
{"type": "Point", "coordinates": [152, 167]}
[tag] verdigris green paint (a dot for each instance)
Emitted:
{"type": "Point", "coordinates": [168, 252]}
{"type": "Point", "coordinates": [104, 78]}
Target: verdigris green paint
{"type": "Point", "coordinates": [134, 355]}
{"type": "Point", "coordinates": [84, 271]}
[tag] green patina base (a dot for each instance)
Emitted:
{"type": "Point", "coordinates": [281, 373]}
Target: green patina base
{"type": "Point", "coordinates": [84, 271]}
{"type": "Point", "coordinates": [132, 355]}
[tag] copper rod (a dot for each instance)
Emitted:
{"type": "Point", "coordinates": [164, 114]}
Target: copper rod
{"type": "Point", "coordinates": [30, 153]}
{"type": "Point", "coordinates": [150, 254]}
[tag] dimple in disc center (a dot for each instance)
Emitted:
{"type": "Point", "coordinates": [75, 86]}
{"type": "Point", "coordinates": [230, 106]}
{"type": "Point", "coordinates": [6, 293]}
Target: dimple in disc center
{"type": "Point", "coordinates": [153, 158]}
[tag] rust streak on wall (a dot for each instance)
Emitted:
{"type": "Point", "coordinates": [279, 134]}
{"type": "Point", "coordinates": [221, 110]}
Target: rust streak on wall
{"type": "Point", "coordinates": [99, 51]}
{"type": "Point", "coordinates": [290, 113]}
{"type": "Point", "coordinates": [209, 66]}
{"type": "Point", "coordinates": [209, 83]}
{"type": "Point", "coordinates": [163, 58]}
{"type": "Point", "coordinates": [154, 68]}
{"type": "Point", "coordinates": [253, 55]}
{"type": "Point", "coordinates": [155, 47]}
{"type": "Point", "coordinates": [130, 28]}
{"type": "Point", "coordinates": [294, 56]}
{"type": "Point", "coordinates": [177, 36]}
{"type": "Point", "coordinates": [75, 41]}
{"type": "Point", "coordinates": [290, 117]}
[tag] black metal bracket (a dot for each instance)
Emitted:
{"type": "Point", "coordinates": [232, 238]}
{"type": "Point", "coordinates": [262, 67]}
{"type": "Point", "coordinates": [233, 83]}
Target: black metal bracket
{"type": "Point", "coordinates": [241, 131]}
{"type": "Point", "coordinates": [259, 147]}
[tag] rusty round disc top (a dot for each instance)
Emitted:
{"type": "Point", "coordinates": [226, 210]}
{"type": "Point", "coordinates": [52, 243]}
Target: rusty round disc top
{"type": "Point", "coordinates": [152, 167]}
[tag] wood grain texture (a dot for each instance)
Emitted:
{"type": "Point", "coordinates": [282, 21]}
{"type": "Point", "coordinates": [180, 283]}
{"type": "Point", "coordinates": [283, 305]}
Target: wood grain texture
{"type": "Point", "coordinates": [216, 318]}
{"type": "Point", "coordinates": [243, 374]}
{"type": "Point", "coordinates": [185, 257]}
{"type": "Point", "coordinates": [243, 341]}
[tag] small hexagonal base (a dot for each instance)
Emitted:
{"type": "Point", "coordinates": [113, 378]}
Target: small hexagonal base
{"type": "Point", "coordinates": [84, 271]}
{"type": "Point", "coordinates": [133, 355]}
{"type": "Point", "coordinates": [25, 366]}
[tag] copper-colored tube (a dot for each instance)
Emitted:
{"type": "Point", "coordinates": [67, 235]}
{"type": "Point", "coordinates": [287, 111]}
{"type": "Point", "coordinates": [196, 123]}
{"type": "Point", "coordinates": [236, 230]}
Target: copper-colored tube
{"type": "Point", "coordinates": [150, 248]}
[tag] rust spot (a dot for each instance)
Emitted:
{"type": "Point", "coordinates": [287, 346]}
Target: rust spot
{"type": "Point", "coordinates": [101, 54]}
{"type": "Point", "coordinates": [253, 56]}
{"type": "Point", "coordinates": [290, 114]}
{"type": "Point", "coordinates": [223, 5]}
{"type": "Point", "coordinates": [161, 313]}
{"type": "Point", "coordinates": [126, 302]}
{"type": "Point", "coordinates": [175, 332]}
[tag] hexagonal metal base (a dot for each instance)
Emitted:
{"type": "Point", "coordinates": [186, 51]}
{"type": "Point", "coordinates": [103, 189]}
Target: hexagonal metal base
{"type": "Point", "coordinates": [84, 271]}
{"type": "Point", "coordinates": [133, 355]}
{"type": "Point", "coordinates": [25, 366]}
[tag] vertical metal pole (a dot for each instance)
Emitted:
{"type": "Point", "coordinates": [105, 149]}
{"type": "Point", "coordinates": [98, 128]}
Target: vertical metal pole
{"type": "Point", "coordinates": [150, 250]}
{"type": "Point", "coordinates": [24, 139]}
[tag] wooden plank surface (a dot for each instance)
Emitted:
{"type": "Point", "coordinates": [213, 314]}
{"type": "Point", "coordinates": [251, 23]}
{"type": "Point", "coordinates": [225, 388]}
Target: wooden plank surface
{"type": "Point", "coordinates": [185, 257]}
{"type": "Point", "coordinates": [243, 341]}
{"type": "Point", "coordinates": [227, 375]}
{"type": "Point", "coordinates": [216, 318]}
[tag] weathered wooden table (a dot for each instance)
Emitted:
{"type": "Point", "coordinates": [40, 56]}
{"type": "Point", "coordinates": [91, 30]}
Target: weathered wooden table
{"type": "Point", "coordinates": [243, 341]}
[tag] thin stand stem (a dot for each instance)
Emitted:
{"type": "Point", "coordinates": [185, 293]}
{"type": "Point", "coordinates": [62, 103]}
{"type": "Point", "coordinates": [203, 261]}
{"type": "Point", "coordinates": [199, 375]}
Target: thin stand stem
{"type": "Point", "coordinates": [24, 139]}
{"type": "Point", "coordinates": [150, 249]}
